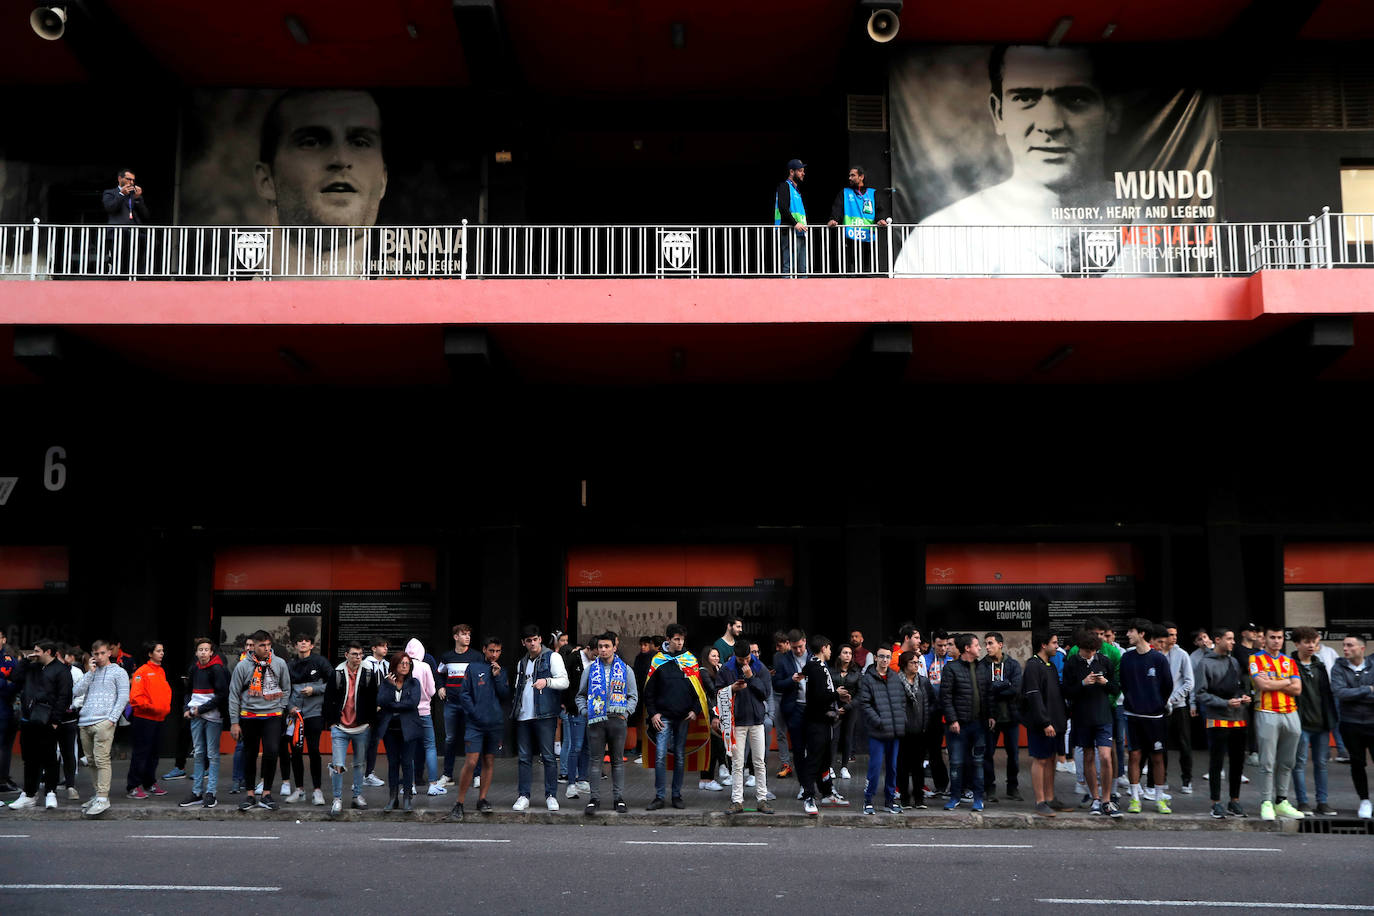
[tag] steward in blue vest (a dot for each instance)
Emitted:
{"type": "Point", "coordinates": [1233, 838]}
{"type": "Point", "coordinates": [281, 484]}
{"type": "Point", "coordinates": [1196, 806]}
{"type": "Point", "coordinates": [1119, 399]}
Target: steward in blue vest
{"type": "Point", "coordinates": [857, 207]}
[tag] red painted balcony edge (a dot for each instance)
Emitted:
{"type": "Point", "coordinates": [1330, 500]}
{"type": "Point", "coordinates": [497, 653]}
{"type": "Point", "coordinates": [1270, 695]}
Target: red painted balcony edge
{"type": "Point", "coordinates": [714, 302]}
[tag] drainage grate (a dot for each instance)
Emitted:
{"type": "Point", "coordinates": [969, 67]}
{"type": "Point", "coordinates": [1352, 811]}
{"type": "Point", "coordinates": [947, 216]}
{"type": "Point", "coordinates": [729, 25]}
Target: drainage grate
{"type": "Point", "coordinates": [1340, 826]}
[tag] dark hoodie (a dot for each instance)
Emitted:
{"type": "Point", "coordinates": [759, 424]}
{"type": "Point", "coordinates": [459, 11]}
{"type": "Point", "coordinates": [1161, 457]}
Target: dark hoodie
{"type": "Point", "coordinates": [210, 679]}
{"type": "Point", "coordinates": [668, 691]}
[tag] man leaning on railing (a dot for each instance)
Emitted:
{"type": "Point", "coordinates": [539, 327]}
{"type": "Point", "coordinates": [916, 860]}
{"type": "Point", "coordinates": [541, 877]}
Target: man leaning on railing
{"type": "Point", "coordinates": [790, 212]}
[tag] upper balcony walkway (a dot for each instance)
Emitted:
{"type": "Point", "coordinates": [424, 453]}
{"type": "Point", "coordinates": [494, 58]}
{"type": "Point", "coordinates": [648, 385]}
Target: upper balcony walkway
{"type": "Point", "coordinates": [901, 273]}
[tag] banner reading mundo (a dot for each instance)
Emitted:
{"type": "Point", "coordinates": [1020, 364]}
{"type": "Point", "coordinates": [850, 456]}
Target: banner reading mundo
{"type": "Point", "coordinates": [1029, 136]}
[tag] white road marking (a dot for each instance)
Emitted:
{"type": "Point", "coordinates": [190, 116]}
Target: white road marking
{"type": "Point", "coordinates": [202, 836]}
{"type": "Point", "coordinates": [406, 839]}
{"type": "Point", "coordinates": [14, 836]}
{"type": "Point", "coordinates": [953, 845]}
{"type": "Point", "coordinates": [1209, 848]}
{"type": "Point", "coordinates": [1234, 904]}
{"type": "Point", "coordinates": [687, 843]}
{"type": "Point", "coordinates": [137, 887]}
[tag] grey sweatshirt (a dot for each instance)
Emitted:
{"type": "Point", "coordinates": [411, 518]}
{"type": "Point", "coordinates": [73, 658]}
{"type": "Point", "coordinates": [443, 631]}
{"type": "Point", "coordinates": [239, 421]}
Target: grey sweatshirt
{"type": "Point", "coordinates": [107, 693]}
{"type": "Point", "coordinates": [270, 700]}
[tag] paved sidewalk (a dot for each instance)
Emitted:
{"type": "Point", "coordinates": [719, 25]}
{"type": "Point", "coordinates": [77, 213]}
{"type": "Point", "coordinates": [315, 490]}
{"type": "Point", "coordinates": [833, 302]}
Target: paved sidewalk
{"type": "Point", "coordinates": [1191, 812]}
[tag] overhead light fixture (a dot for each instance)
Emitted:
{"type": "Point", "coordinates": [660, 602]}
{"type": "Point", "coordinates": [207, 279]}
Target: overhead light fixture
{"type": "Point", "coordinates": [49, 22]}
{"type": "Point", "coordinates": [1061, 28]}
{"type": "Point", "coordinates": [296, 28]}
{"type": "Point", "coordinates": [1107, 32]}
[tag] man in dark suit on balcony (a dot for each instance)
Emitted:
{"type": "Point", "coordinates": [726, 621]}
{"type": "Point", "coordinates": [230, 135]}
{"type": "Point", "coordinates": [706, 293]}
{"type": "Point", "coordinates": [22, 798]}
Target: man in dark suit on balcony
{"type": "Point", "coordinates": [125, 207]}
{"type": "Point", "coordinates": [124, 204]}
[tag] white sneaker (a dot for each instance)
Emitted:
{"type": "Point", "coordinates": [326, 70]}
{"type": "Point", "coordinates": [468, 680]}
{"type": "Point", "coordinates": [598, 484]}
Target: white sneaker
{"type": "Point", "coordinates": [1366, 810]}
{"type": "Point", "coordinates": [809, 806]}
{"type": "Point", "coordinates": [444, 782]}
{"type": "Point", "coordinates": [710, 785]}
{"type": "Point", "coordinates": [522, 803]}
{"type": "Point", "coordinates": [1186, 788]}
{"type": "Point", "coordinates": [477, 782]}
{"type": "Point", "coordinates": [436, 789]}
{"type": "Point", "coordinates": [1244, 779]}
{"type": "Point", "coordinates": [84, 760]}
{"type": "Point", "coordinates": [293, 797]}
{"type": "Point", "coordinates": [1080, 788]}
{"type": "Point", "coordinates": [722, 774]}
{"type": "Point", "coordinates": [726, 780]}
{"type": "Point", "coordinates": [286, 790]}
{"type": "Point", "coordinates": [98, 807]}
{"type": "Point", "coordinates": [1123, 783]}
{"type": "Point", "coordinates": [584, 786]}
{"type": "Point", "coordinates": [258, 790]}
{"type": "Point", "coordinates": [750, 782]}
{"type": "Point", "coordinates": [372, 780]}
{"type": "Point", "coordinates": [1065, 766]}
{"type": "Point", "coordinates": [336, 807]}
{"type": "Point", "coordinates": [801, 793]}
{"type": "Point", "coordinates": [317, 797]}
{"type": "Point", "coordinates": [844, 773]}
{"type": "Point", "coordinates": [558, 748]}
{"type": "Point", "coordinates": [50, 801]}
{"type": "Point", "coordinates": [24, 801]}
{"type": "Point", "coordinates": [551, 803]}
{"type": "Point", "coordinates": [572, 790]}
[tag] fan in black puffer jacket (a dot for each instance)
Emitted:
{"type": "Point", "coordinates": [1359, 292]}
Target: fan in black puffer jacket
{"type": "Point", "coordinates": [956, 692]}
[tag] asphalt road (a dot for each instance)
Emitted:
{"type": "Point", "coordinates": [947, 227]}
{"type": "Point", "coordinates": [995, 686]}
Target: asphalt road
{"type": "Point", "coordinates": [162, 867]}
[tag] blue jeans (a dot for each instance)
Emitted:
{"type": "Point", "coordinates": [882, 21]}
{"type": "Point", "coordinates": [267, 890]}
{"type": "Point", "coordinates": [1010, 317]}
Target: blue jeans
{"type": "Point", "coordinates": [792, 246]}
{"type": "Point", "coordinates": [1320, 743]}
{"type": "Point", "coordinates": [455, 732]}
{"type": "Point", "coordinates": [672, 739]}
{"type": "Point", "coordinates": [573, 762]}
{"type": "Point", "coordinates": [970, 743]}
{"type": "Point", "coordinates": [205, 740]}
{"type": "Point", "coordinates": [884, 750]}
{"type": "Point", "coordinates": [530, 733]}
{"type": "Point", "coordinates": [425, 754]}
{"type": "Point", "coordinates": [338, 744]}
{"type": "Point", "coordinates": [238, 763]}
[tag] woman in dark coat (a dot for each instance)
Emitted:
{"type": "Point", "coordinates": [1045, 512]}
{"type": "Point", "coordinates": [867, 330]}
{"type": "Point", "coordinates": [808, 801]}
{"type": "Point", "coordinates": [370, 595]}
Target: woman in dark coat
{"type": "Point", "coordinates": [846, 674]}
{"type": "Point", "coordinates": [398, 722]}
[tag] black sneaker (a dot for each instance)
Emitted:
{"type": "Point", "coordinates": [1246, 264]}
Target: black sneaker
{"type": "Point", "coordinates": [457, 813]}
{"type": "Point", "coordinates": [267, 802]}
{"type": "Point", "coordinates": [1235, 809]}
{"type": "Point", "coordinates": [1218, 811]}
{"type": "Point", "coordinates": [210, 801]}
{"type": "Point", "coordinates": [591, 809]}
{"type": "Point", "coordinates": [1013, 795]}
{"type": "Point", "coordinates": [620, 806]}
{"type": "Point", "coordinates": [248, 803]}
{"type": "Point", "coordinates": [192, 800]}
{"type": "Point", "coordinates": [483, 806]}
{"type": "Point", "coordinates": [1113, 810]}
{"type": "Point", "coordinates": [1324, 809]}
{"type": "Point", "coordinates": [655, 805]}
{"type": "Point", "coordinates": [679, 803]}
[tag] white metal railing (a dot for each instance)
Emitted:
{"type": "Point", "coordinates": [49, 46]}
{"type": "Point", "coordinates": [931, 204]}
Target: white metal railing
{"type": "Point", "coordinates": [42, 251]}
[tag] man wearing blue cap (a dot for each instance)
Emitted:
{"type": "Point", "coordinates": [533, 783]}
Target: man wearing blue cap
{"type": "Point", "coordinates": [789, 211]}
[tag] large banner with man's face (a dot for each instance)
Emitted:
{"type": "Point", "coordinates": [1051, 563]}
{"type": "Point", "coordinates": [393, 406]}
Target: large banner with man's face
{"type": "Point", "coordinates": [327, 157]}
{"type": "Point", "coordinates": [1030, 136]}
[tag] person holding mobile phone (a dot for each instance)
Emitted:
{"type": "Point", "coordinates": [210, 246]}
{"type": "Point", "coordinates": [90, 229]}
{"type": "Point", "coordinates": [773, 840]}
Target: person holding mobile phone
{"type": "Point", "coordinates": [1089, 682]}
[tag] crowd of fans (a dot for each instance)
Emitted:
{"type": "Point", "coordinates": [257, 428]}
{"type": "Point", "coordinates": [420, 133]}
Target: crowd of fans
{"type": "Point", "coordinates": [932, 715]}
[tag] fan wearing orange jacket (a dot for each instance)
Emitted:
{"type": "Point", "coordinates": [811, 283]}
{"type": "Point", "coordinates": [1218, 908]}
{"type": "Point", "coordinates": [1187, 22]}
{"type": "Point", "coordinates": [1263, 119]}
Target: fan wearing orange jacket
{"type": "Point", "coordinates": [151, 698]}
